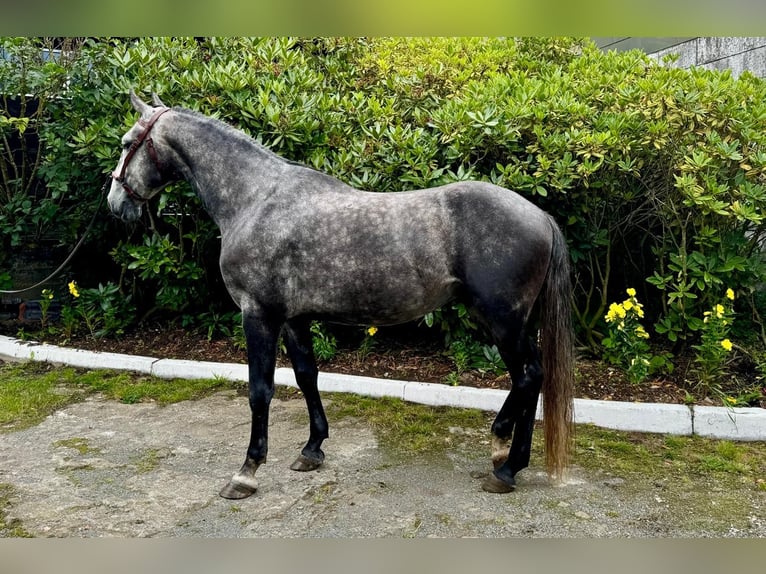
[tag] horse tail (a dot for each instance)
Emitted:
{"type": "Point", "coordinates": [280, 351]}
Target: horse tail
{"type": "Point", "coordinates": [557, 346]}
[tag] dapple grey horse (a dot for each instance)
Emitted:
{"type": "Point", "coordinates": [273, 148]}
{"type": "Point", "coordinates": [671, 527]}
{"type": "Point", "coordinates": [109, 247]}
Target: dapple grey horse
{"type": "Point", "coordinates": [299, 245]}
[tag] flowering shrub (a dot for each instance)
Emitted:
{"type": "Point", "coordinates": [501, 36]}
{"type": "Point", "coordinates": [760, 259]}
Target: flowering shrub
{"type": "Point", "coordinates": [368, 342]}
{"type": "Point", "coordinates": [626, 343]}
{"type": "Point", "coordinates": [103, 310]}
{"type": "Point", "coordinates": [715, 346]}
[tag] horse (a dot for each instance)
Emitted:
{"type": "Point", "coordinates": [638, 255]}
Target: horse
{"type": "Point", "coordinates": [299, 245]}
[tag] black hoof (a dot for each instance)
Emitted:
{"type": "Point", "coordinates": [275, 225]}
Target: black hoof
{"type": "Point", "coordinates": [493, 484]}
{"type": "Point", "coordinates": [237, 490]}
{"type": "Point", "coordinates": [304, 463]}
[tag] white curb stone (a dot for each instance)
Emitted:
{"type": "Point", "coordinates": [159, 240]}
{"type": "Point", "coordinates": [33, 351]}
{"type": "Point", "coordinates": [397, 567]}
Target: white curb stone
{"type": "Point", "coordinates": [443, 395]}
{"type": "Point", "coordinates": [641, 417]}
{"type": "Point", "coordinates": [183, 369]}
{"type": "Point", "coordinates": [285, 377]}
{"type": "Point", "coordinates": [368, 386]}
{"type": "Point", "coordinates": [25, 351]}
{"type": "Point", "coordinates": [735, 423]}
{"type": "Point", "coordinates": [10, 348]}
{"type": "Point", "coordinates": [99, 360]}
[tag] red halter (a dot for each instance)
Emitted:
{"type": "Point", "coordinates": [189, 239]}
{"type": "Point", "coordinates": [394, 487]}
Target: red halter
{"type": "Point", "coordinates": [120, 178]}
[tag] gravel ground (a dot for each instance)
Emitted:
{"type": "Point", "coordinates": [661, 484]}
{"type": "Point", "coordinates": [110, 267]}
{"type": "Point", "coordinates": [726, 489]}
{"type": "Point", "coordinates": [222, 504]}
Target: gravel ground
{"type": "Point", "coordinates": [105, 469]}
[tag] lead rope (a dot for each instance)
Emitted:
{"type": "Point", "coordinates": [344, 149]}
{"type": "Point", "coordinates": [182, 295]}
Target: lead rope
{"type": "Point", "coordinates": [76, 247]}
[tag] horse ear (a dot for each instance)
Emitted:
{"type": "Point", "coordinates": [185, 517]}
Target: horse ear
{"type": "Point", "coordinates": [141, 107]}
{"type": "Point", "coordinates": [156, 101]}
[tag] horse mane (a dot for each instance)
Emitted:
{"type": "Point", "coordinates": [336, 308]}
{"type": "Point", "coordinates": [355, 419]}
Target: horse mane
{"type": "Point", "coordinates": [231, 130]}
{"type": "Point", "coordinates": [238, 134]}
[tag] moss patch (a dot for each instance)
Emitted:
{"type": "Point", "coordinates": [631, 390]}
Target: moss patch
{"type": "Point", "coordinates": [690, 482]}
{"type": "Point", "coordinates": [9, 528]}
{"type": "Point", "coordinates": [656, 456]}
{"type": "Point", "coordinates": [31, 391]}
{"type": "Point", "coordinates": [407, 428]}
{"type": "Point", "coordinates": [148, 461]}
{"type": "Point", "coordinates": [81, 445]}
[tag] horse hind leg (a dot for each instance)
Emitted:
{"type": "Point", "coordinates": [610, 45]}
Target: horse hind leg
{"type": "Point", "coordinates": [300, 350]}
{"type": "Point", "coordinates": [515, 421]}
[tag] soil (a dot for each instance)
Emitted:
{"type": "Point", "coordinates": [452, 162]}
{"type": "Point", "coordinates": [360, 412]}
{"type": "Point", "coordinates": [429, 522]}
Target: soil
{"type": "Point", "coordinates": [402, 354]}
{"type": "Point", "coordinates": [103, 468]}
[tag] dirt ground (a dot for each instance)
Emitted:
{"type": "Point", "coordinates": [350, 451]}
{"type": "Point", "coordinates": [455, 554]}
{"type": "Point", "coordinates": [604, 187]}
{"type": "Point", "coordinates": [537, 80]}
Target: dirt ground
{"type": "Point", "coordinates": [101, 468]}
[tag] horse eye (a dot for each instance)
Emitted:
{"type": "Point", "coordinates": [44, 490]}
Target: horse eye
{"type": "Point", "coordinates": [126, 145]}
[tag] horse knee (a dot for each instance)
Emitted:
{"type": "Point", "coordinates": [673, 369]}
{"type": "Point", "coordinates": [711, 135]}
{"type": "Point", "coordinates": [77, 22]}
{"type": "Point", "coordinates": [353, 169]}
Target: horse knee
{"type": "Point", "coordinates": [260, 396]}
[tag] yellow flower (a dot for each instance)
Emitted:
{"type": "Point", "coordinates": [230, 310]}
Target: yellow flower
{"type": "Point", "coordinates": [631, 292]}
{"type": "Point", "coordinates": [640, 332]}
{"type": "Point", "coordinates": [726, 344]}
{"type": "Point", "coordinates": [730, 294]}
{"type": "Point", "coordinates": [73, 289]}
{"type": "Point", "coordinates": [372, 330]}
{"type": "Point", "coordinates": [627, 305]}
{"type": "Point", "coordinates": [719, 310]}
{"type": "Point", "coordinates": [616, 311]}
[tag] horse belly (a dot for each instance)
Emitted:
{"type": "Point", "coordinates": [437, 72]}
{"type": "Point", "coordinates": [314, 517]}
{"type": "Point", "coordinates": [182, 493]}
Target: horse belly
{"type": "Point", "coordinates": [358, 291]}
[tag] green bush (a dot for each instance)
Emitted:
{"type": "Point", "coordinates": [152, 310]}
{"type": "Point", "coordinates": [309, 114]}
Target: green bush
{"type": "Point", "coordinates": [34, 207]}
{"type": "Point", "coordinates": [656, 174]}
{"type": "Point", "coordinates": [658, 169]}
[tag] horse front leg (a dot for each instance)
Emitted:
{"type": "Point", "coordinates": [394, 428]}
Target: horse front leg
{"type": "Point", "coordinates": [261, 336]}
{"type": "Point", "coordinates": [300, 349]}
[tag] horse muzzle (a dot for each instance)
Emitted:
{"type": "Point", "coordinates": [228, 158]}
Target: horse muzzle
{"type": "Point", "coordinates": [121, 205]}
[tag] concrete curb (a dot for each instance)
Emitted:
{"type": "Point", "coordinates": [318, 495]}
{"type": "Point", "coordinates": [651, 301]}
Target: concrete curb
{"type": "Point", "coordinates": [744, 424]}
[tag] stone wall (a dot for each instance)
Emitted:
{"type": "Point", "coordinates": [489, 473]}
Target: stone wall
{"type": "Point", "coordinates": [720, 53]}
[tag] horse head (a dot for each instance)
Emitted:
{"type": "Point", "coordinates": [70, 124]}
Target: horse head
{"type": "Point", "coordinates": [140, 173]}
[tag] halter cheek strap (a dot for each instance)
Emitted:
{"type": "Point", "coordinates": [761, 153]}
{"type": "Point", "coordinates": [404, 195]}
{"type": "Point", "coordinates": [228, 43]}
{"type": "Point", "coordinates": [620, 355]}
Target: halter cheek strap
{"type": "Point", "coordinates": [143, 136]}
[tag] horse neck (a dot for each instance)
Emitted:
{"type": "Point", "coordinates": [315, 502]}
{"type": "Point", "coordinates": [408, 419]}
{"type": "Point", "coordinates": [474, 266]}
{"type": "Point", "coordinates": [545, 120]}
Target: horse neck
{"type": "Point", "coordinates": [225, 167]}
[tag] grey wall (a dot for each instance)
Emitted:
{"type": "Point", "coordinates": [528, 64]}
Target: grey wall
{"type": "Point", "coordinates": [721, 53]}
{"type": "Point", "coordinates": [647, 44]}
{"type": "Point", "coordinates": [731, 53]}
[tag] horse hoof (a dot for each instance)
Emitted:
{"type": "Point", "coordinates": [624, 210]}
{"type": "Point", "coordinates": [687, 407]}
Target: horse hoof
{"type": "Point", "coordinates": [494, 484]}
{"type": "Point", "coordinates": [305, 464]}
{"type": "Point", "coordinates": [237, 490]}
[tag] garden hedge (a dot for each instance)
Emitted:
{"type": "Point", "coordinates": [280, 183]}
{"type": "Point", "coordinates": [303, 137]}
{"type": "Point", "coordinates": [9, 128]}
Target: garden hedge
{"type": "Point", "coordinates": [656, 174]}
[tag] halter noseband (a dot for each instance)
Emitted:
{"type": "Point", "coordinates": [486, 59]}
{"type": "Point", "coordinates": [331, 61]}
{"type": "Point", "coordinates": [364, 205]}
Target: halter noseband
{"type": "Point", "coordinates": [120, 177]}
